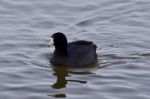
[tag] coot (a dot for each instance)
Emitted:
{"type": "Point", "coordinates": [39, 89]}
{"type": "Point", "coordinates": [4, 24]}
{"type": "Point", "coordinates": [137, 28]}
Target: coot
{"type": "Point", "coordinates": [79, 53]}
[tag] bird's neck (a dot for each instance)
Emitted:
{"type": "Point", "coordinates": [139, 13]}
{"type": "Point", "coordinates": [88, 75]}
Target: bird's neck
{"type": "Point", "coordinates": [61, 50]}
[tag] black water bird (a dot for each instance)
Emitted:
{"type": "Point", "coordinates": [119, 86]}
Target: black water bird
{"type": "Point", "coordinates": [79, 53]}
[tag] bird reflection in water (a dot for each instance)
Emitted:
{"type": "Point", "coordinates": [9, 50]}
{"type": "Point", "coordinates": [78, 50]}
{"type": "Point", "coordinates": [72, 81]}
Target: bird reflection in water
{"type": "Point", "coordinates": [61, 73]}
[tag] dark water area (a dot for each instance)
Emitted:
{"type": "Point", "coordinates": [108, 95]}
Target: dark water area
{"type": "Point", "coordinates": [120, 28]}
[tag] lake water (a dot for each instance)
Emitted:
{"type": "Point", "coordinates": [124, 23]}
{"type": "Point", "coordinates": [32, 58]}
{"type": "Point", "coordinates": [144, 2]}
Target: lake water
{"type": "Point", "coordinates": [120, 28]}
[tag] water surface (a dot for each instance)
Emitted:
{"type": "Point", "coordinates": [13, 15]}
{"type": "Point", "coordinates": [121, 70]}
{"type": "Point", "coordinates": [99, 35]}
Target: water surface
{"type": "Point", "coordinates": [120, 28]}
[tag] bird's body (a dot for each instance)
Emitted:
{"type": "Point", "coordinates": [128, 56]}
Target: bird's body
{"type": "Point", "coordinates": [78, 54]}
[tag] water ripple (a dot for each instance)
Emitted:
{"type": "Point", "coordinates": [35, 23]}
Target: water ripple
{"type": "Point", "coordinates": [120, 28]}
